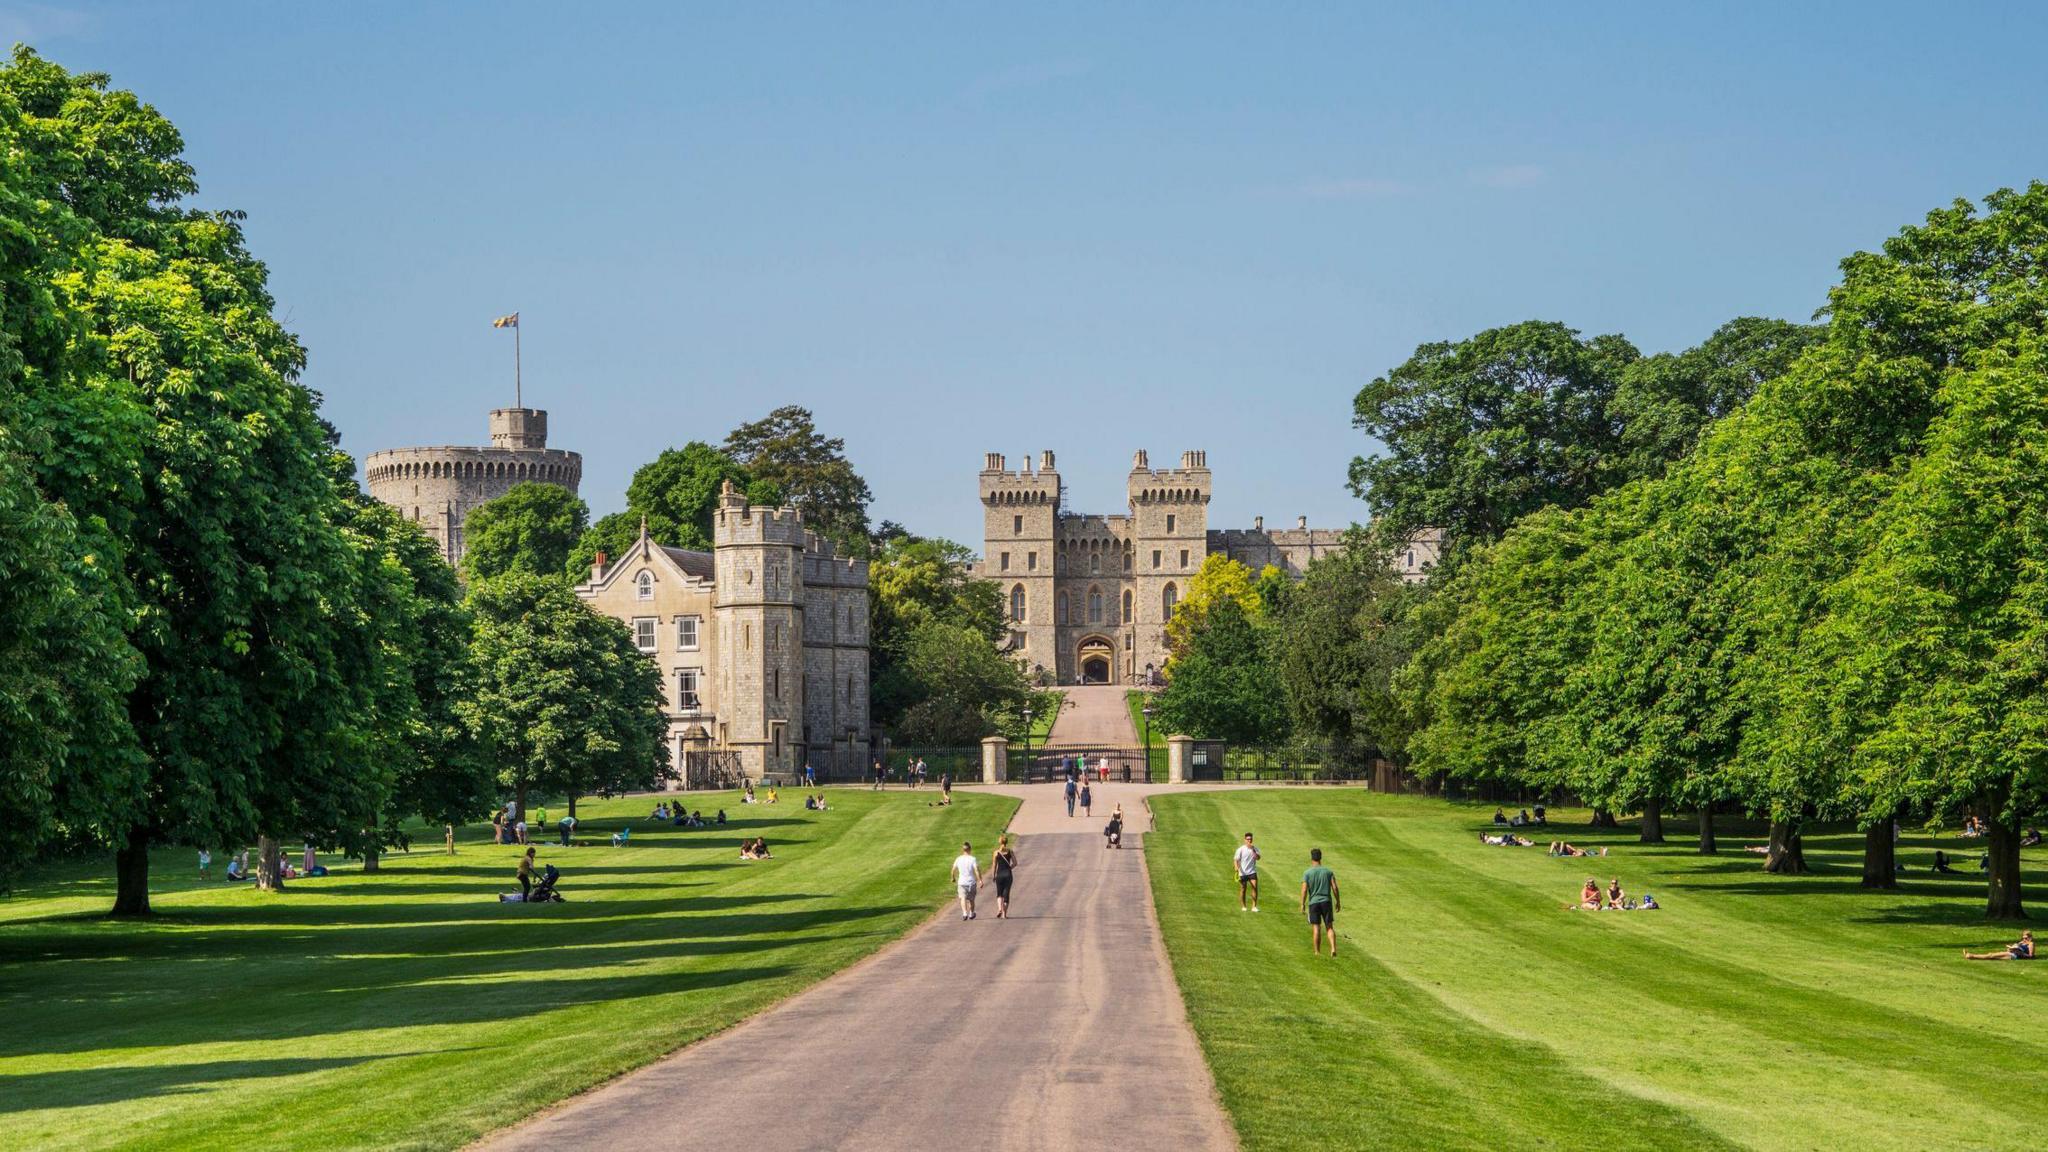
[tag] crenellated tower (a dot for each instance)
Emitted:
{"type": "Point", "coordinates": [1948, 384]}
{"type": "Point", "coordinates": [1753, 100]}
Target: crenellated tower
{"type": "Point", "coordinates": [758, 612]}
{"type": "Point", "coordinates": [1020, 517]}
{"type": "Point", "coordinates": [1170, 534]}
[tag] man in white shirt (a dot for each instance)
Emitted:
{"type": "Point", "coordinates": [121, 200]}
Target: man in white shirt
{"type": "Point", "coordinates": [966, 877]}
{"type": "Point", "coordinates": [1246, 861]}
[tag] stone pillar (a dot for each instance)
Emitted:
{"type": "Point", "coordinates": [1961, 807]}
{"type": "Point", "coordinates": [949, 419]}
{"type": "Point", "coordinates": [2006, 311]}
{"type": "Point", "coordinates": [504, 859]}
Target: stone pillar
{"type": "Point", "coordinates": [1177, 758]}
{"type": "Point", "coordinates": [995, 760]}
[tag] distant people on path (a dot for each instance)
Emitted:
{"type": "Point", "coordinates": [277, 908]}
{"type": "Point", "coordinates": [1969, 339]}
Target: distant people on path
{"type": "Point", "coordinates": [1246, 863]}
{"type": "Point", "coordinates": [810, 775]}
{"type": "Point", "coordinates": [1102, 768]}
{"type": "Point", "coordinates": [945, 788]}
{"type": "Point", "coordinates": [526, 874]}
{"type": "Point", "coordinates": [1113, 832]}
{"type": "Point", "coordinates": [1087, 799]}
{"type": "Point", "coordinates": [1003, 866]}
{"type": "Point", "coordinates": [877, 787]}
{"type": "Point", "coordinates": [1320, 900]}
{"type": "Point", "coordinates": [1073, 792]}
{"type": "Point", "coordinates": [966, 878]}
{"type": "Point", "coordinates": [2022, 949]}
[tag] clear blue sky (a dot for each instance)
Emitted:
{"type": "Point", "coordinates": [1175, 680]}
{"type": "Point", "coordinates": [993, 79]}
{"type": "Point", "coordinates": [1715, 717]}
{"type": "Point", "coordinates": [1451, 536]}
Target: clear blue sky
{"type": "Point", "coordinates": [962, 228]}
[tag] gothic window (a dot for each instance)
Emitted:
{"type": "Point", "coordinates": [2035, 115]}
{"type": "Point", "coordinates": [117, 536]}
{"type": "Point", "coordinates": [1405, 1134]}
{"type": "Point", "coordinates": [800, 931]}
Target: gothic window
{"type": "Point", "coordinates": [1168, 596]}
{"type": "Point", "coordinates": [1127, 560]}
{"type": "Point", "coordinates": [1409, 560]}
{"type": "Point", "coordinates": [1127, 605]}
{"type": "Point", "coordinates": [1017, 603]}
{"type": "Point", "coordinates": [1059, 562]}
{"type": "Point", "coordinates": [1095, 605]}
{"type": "Point", "coordinates": [644, 585]}
{"type": "Point", "coordinates": [1063, 608]}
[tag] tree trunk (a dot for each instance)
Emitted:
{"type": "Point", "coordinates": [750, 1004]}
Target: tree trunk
{"type": "Point", "coordinates": [131, 874]}
{"type": "Point", "coordinates": [1880, 857]}
{"type": "Point", "coordinates": [2003, 840]}
{"type": "Point", "coordinates": [370, 856]}
{"type": "Point", "coordinates": [1602, 818]}
{"type": "Point", "coordinates": [269, 864]}
{"type": "Point", "coordinates": [1787, 854]}
{"type": "Point", "coordinates": [1652, 828]}
{"type": "Point", "coordinates": [1707, 846]}
{"type": "Point", "coordinates": [519, 798]}
{"type": "Point", "coordinates": [572, 805]}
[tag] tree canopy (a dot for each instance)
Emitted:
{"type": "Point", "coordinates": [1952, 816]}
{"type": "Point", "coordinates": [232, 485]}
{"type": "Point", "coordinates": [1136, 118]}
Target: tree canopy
{"type": "Point", "coordinates": [532, 529]}
{"type": "Point", "coordinates": [785, 451]}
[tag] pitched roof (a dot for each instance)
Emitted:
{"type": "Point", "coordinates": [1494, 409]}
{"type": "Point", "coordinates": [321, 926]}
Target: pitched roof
{"type": "Point", "coordinates": [698, 564]}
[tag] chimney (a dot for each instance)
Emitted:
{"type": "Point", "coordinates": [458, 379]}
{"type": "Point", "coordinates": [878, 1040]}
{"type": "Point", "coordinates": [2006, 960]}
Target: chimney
{"type": "Point", "coordinates": [1301, 522]}
{"type": "Point", "coordinates": [597, 568]}
{"type": "Point", "coordinates": [1140, 462]}
{"type": "Point", "coordinates": [1045, 461]}
{"type": "Point", "coordinates": [1258, 523]}
{"type": "Point", "coordinates": [993, 462]}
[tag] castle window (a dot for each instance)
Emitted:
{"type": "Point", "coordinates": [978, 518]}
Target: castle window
{"type": "Point", "coordinates": [775, 678]}
{"type": "Point", "coordinates": [1127, 636]}
{"type": "Point", "coordinates": [1031, 561]}
{"type": "Point", "coordinates": [686, 688]}
{"type": "Point", "coordinates": [1169, 523]}
{"type": "Point", "coordinates": [1016, 525]}
{"type": "Point", "coordinates": [1059, 562]}
{"type": "Point", "coordinates": [1017, 603]}
{"type": "Point", "coordinates": [1063, 607]}
{"type": "Point", "coordinates": [1168, 596]}
{"type": "Point", "coordinates": [1003, 564]}
{"type": "Point", "coordinates": [1127, 560]}
{"type": "Point", "coordinates": [1183, 558]}
{"type": "Point", "coordinates": [1155, 557]}
{"type": "Point", "coordinates": [644, 585]}
{"type": "Point", "coordinates": [1409, 559]}
{"type": "Point", "coordinates": [746, 637]}
{"type": "Point", "coordinates": [643, 633]}
{"type": "Point", "coordinates": [1095, 605]}
{"type": "Point", "coordinates": [686, 632]}
{"type": "Point", "coordinates": [1094, 564]}
{"type": "Point", "coordinates": [1127, 605]}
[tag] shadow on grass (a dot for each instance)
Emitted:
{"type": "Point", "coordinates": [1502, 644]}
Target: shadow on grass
{"type": "Point", "coordinates": [85, 1087]}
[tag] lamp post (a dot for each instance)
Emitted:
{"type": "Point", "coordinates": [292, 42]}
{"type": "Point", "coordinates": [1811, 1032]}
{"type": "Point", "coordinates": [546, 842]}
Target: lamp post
{"type": "Point", "coordinates": [1027, 745]}
{"type": "Point", "coordinates": [1146, 712]}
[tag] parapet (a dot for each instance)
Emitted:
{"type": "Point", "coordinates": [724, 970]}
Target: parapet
{"type": "Point", "coordinates": [1187, 484]}
{"type": "Point", "coordinates": [519, 428]}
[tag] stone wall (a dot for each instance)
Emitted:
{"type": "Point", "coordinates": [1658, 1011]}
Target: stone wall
{"type": "Point", "coordinates": [438, 487]}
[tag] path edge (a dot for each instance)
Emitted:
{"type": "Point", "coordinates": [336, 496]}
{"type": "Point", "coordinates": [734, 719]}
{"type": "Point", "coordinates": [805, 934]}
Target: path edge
{"type": "Point", "coordinates": [1180, 995]}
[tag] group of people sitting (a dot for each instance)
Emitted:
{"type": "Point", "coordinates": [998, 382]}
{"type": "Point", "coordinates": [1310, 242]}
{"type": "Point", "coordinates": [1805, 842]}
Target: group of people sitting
{"type": "Point", "coordinates": [1520, 819]}
{"type": "Point", "coordinates": [755, 849]}
{"type": "Point", "coordinates": [682, 819]}
{"type": "Point", "coordinates": [1591, 898]}
{"type": "Point", "coordinates": [1561, 848]}
{"type": "Point", "coordinates": [747, 795]}
{"type": "Point", "coordinates": [1508, 840]}
{"type": "Point", "coordinates": [816, 803]}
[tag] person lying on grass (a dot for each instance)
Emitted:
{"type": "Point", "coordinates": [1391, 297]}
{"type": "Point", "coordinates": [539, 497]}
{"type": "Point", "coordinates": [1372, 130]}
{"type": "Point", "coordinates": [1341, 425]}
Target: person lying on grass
{"type": "Point", "coordinates": [1560, 848]}
{"type": "Point", "coordinates": [2023, 949]}
{"type": "Point", "coordinates": [1507, 840]}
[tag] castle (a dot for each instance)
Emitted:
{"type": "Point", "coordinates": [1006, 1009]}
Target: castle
{"type": "Point", "coordinates": [1088, 596]}
{"type": "Point", "coordinates": [437, 487]}
{"type": "Point", "coordinates": [762, 644]}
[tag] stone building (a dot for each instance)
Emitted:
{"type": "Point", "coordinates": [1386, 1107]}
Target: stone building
{"type": "Point", "coordinates": [762, 644]}
{"type": "Point", "coordinates": [437, 487]}
{"type": "Point", "coordinates": [1088, 596]}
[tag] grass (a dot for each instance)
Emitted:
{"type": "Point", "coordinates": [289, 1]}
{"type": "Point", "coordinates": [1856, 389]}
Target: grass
{"type": "Point", "coordinates": [409, 1009]}
{"type": "Point", "coordinates": [1469, 1009]}
{"type": "Point", "coordinates": [1153, 737]}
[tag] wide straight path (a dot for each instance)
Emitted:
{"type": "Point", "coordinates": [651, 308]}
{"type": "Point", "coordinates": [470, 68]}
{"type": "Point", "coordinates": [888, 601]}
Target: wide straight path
{"type": "Point", "coordinates": [1060, 1028]}
{"type": "Point", "coordinates": [1095, 716]}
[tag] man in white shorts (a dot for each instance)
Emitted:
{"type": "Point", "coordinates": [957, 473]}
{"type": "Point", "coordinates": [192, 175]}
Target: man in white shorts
{"type": "Point", "coordinates": [966, 877]}
{"type": "Point", "coordinates": [1246, 861]}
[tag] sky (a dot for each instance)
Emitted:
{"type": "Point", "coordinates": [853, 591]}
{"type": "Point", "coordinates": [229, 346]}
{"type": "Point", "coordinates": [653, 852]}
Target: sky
{"type": "Point", "coordinates": [956, 229]}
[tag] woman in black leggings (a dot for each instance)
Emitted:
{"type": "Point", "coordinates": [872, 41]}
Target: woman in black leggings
{"type": "Point", "coordinates": [1004, 864]}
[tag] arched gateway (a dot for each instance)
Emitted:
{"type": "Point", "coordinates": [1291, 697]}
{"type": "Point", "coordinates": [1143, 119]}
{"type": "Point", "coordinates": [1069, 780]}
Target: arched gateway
{"type": "Point", "coordinates": [1095, 656]}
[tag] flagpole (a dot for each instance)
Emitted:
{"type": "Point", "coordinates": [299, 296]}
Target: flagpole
{"type": "Point", "coordinates": [518, 388]}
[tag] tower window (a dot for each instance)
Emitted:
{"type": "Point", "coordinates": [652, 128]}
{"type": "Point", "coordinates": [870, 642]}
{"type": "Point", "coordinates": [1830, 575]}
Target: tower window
{"type": "Point", "coordinates": [1095, 606]}
{"type": "Point", "coordinates": [1169, 523]}
{"type": "Point", "coordinates": [1094, 563]}
{"type": "Point", "coordinates": [1016, 525]}
{"type": "Point", "coordinates": [1063, 607]}
{"type": "Point", "coordinates": [1155, 557]}
{"type": "Point", "coordinates": [644, 585]}
{"type": "Point", "coordinates": [1168, 596]}
{"type": "Point", "coordinates": [1031, 561]}
{"type": "Point", "coordinates": [1127, 605]}
{"type": "Point", "coordinates": [1017, 603]}
{"type": "Point", "coordinates": [1183, 558]}
{"type": "Point", "coordinates": [1003, 564]}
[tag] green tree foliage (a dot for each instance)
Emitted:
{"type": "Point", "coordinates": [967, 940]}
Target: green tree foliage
{"type": "Point", "coordinates": [965, 689]}
{"type": "Point", "coordinates": [785, 451]}
{"type": "Point", "coordinates": [532, 529]}
{"type": "Point", "coordinates": [564, 702]}
{"type": "Point", "coordinates": [677, 495]}
{"type": "Point", "coordinates": [1347, 628]}
{"type": "Point", "coordinates": [1223, 685]}
{"type": "Point", "coordinates": [156, 394]}
{"type": "Point", "coordinates": [925, 611]}
{"type": "Point", "coordinates": [1664, 402]}
{"type": "Point", "coordinates": [1219, 578]}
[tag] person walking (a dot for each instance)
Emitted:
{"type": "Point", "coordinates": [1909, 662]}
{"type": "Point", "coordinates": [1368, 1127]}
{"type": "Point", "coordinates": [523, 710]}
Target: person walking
{"type": "Point", "coordinates": [1003, 867]}
{"type": "Point", "coordinates": [1319, 899]}
{"type": "Point", "coordinates": [877, 787]}
{"type": "Point", "coordinates": [1246, 861]}
{"type": "Point", "coordinates": [945, 788]}
{"type": "Point", "coordinates": [966, 878]}
{"type": "Point", "coordinates": [1073, 792]}
{"type": "Point", "coordinates": [1087, 799]}
{"type": "Point", "coordinates": [526, 875]}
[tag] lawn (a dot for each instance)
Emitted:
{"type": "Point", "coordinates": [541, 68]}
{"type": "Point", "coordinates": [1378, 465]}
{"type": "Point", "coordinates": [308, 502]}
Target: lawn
{"type": "Point", "coordinates": [410, 1009]}
{"type": "Point", "coordinates": [1470, 1009]}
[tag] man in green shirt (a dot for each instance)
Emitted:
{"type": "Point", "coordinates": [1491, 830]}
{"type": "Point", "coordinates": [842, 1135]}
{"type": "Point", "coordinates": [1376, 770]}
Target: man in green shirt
{"type": "Point", "coordinates": [1319, 900]}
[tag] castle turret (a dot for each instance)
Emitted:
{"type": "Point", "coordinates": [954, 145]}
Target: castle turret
{"type": "Point", "coordinates": [1170, 534]}
{"type": "Point", "coordinates": [757, 609]}
{"type": "Point", "coordinates": [1020, 511]}
{"type": "Point", "coordinates": [437, 488]}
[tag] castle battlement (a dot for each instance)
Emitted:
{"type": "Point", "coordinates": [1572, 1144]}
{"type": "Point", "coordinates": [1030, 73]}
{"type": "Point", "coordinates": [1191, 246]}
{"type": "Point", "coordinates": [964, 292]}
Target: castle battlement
{"type": "Point", "coordinates": [437, 487]}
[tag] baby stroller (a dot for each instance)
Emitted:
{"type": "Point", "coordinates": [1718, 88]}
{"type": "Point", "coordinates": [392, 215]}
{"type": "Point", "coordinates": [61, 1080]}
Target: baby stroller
{"type": "Point", "coordinates": [1113, 835]}
{"type": "Point", "coordinates": [544, 892]}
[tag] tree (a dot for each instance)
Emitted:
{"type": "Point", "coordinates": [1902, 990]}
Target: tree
{"type": "Point", "coordinates": [677, 494]}
{"type": "Point", "coordinates": [1664, 402]}
{"type": "Point", "coordinates": [784, 450]}
{"type": "Point", "coordinates": [1222, 686]}
{"type": "Point", "coordinates": [966, 688]}
{"type": "Point", "coordinates": [1480, 433]}
{"type": "Point", "coordinates": [161, 394]}
{"type": "Point", "coordinates": [532, 528]}
{"type": "Point", "coordinates": [1219, 578]}
{"type": "Point", "coordinates": [914, 582]}
{"type": "Point", "coordinates": [564, 701]}
{"type": "Point", "coordinates": [1347, 628]}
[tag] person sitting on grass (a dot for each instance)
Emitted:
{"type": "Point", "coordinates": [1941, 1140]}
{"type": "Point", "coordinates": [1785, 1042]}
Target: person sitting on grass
{"type": "Point", "coordinates": [238, 868]}
{"type": "Point", "coordinates": [1589, 895]}
{"type": "Point", "coordinates": [747, 849]}
{"type": "Point", "coordinates": [1539, 815]}
{"type": "Point", "coordinates": [1616, 898]}
{"type": "Point", "coordinates": [2022, 949]}
{"type": "Point", "coordinates": [1972, 827]}
{"type": "Point", "coordinates": [1519, 819]}
{"type": "Point", "coordinates": [1759, 849]}
{"type": "Point", "coordinates": [772, 795]}
{"type": "Point", "coordinates": [660, 811]}
{"type": "Point", "coordinates": [1941, 862]}
{"type": "Point", "coordinates": [810, 803]}
{"type": "Point", "coordinates": [822, 806]}
{"type": "Point", "coordinates": [2032, 839]}
{"type": "Point", "coordinates": [747, 794]}
{"type": "Point", "coordinates": [1499, 817]}
{"type": "Point", "coordinates": [720, 820]}
{"type": "Point", "coordinates": [620, 837]}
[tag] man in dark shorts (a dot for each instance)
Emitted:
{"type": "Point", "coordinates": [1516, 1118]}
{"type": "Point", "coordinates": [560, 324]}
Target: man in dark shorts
{"type": "Point", "coordinates": [1245, 862]}
{"type": "Point", "coordinates": [1319, 900]}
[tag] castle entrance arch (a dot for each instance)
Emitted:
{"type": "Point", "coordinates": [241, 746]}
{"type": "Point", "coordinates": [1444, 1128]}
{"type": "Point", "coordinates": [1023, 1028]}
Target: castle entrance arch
{"type": "Point", "coordinates": [1096, 658]}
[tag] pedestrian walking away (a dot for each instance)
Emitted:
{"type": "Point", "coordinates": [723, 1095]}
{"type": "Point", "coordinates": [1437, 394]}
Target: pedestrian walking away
{"type": "Point", "coordinates": [1087, 799]}
{"type": "Point", "coordinates": [966, 878]}
{"type": "Point", "coordinates": [1320, 901]}
{"type": "Point", "coordinates": [945, 788]}
{"type": "Point", "coordinates": [878, 777]}
{"type": "Point", "coordinates": [1073, 790]}
{"type": "Point", "coordinates": [1003, 867]}
{"type": "Point", "coordinates": [1246, 861]}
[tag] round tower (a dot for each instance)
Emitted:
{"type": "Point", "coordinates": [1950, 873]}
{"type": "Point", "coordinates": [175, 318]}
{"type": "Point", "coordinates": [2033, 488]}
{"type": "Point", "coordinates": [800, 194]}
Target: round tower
{"type": "Point", "coordinates": [437, 487]}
